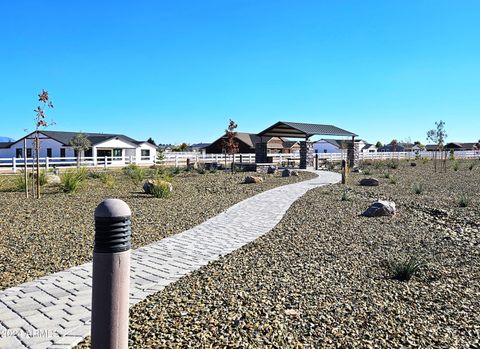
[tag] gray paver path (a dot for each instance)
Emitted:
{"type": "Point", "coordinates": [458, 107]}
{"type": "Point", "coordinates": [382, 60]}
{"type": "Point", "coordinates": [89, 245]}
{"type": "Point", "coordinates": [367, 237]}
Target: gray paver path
{"type": "Point", "coordinates": [54, 311]}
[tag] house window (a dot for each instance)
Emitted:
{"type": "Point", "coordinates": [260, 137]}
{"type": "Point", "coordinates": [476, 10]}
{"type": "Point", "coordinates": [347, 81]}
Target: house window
{"type": "Point", "coordinates": [117, 153]}
{"type": "Point", "coordinates": [18, 153]}
{"type": "Point", "coordinates": [29, 152]}
{"type": "Point", "coordinates": [89, 153]}
{"type": "Point", "coordinates": [145, 153]}
{"type": "Point", "coordinates": [49, 152]}
{"type": "Point", "coordinates": [62, 152]}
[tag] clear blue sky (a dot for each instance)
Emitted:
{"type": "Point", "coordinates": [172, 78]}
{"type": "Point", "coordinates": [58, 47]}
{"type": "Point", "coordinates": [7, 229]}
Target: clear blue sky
{"type": "Point", "coordinates": [178, 70]}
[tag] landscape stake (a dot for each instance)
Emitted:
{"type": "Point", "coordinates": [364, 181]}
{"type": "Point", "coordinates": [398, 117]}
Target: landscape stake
{"type": "Point", "coordinates": [111, 275]}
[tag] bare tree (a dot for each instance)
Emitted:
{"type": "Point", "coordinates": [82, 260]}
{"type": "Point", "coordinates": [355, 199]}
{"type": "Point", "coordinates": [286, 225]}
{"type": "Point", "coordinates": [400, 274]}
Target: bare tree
{"type": "Point", "coordinates": [80, 143]}
{"type": "Point", "coordinates": [229, 143]}
{"type": "Point", "coordinates": [438, 136]}
{"type": "Point", "coordinates": [39, 123]}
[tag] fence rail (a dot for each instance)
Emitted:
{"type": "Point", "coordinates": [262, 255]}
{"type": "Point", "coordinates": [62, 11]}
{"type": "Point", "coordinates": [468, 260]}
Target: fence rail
{"type": "Point", "coordinates": [181, 159]}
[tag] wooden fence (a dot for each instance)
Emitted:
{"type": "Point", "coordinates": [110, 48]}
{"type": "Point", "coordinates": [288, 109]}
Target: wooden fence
{"type": "Point", "coordinates": [180, 159]}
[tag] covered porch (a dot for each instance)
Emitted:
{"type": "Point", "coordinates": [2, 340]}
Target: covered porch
{"type": "Point", "coordinates": [302, 131]}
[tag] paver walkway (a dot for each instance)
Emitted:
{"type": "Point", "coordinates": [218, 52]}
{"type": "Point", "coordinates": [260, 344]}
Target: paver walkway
{"type": "Point", "coordinates": [54, 311]}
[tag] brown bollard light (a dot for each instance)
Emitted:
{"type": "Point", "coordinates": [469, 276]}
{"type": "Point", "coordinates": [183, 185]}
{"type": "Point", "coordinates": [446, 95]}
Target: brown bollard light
{"type": "Point", "coordinates": [344, 172]}
{"type": "Point", "coordinates": [111, 275]}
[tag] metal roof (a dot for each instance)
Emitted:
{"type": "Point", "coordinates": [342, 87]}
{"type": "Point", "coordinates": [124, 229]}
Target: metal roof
{"type": "Point", "coordinates": [301, 130]}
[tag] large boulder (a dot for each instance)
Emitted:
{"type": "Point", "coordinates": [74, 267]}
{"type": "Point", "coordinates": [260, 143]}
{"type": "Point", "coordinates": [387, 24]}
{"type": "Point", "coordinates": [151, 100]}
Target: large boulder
{"type": "Point", "coordinates": [271, 169]}
{"type": "Point", "coordinates": [380, 208]}
{"type": "Point", "coordinates": [369, 182]}
{"type": "Point", "coordinates": [252, 179]}
{"type": "Point", "coordinates": [150, 183]}
{"type": "Point", "coordinates": [53, 179]}
{"type": "Point", "coordinates": [286, 173]}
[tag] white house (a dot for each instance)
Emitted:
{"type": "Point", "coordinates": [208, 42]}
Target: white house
{"type": "Point", "coordinates": [369, 148]}
{"type": "Point", "coordinates": [335, 145]}
{"type": "Point", "coordinates": [117, 148]}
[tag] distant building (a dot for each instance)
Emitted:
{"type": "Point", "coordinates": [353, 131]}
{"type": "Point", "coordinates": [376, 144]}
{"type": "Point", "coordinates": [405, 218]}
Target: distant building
{"type": "Point", "coordinates": [461, 146]}
{"type": "Point", "coordinates": [329, 145]}
{"type": "Point", "coordinates": [198, 147]}
{"type": "Point", "coordinates": [389, 148]}
{"type": "Point", "coordinates": [247, 142]}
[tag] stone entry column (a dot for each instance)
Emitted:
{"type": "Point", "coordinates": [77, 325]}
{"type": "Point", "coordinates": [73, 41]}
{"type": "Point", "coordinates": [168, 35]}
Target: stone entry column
{"type": "Point", "coordinates": [261, 153]}
{"type": "Point", "coordinates": [306, 154]}
{"type": "Point", "coordinates": [352, 154]}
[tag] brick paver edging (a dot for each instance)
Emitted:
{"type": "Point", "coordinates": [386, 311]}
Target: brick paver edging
{"type": "Point", "coordinates": [54, 311]}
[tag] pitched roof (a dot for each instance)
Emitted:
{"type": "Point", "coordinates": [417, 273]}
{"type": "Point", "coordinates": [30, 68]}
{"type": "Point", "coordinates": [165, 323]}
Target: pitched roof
{"type": "Point", "coordinates": [251, 139]}
{"type": "Point", "coordinates": [5, 144]}
{"type": "Point", "coordinates": [297, 129]}
{"type": "Point", "coordinates": [338, 142]}
{"type": "Point", "coordinates": [94, 138]}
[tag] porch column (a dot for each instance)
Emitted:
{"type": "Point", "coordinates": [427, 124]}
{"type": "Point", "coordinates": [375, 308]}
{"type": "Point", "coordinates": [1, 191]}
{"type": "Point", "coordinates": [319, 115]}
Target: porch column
{"type": "Point", "coordinates": [352, 154]}
{"type": "Point", "coordinates": [303, 154]}
{"type": "Point", "coordinates": [261, 152]}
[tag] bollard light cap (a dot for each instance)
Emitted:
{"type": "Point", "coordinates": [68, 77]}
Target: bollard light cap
{"type": "Point", "coordinates": [112, 208]}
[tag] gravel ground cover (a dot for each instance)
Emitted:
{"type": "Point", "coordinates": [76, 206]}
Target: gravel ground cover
{"type": "Point", "coordinates": [321, 277]}
{"type": "Point", "coordinates": [54, 233]}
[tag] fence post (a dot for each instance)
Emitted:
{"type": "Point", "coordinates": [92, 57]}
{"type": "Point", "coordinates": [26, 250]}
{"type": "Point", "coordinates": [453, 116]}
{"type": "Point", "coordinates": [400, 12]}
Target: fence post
{"type": "Point", "coordinates": [47, 163]}
{"type": "Point", "coordinates": [344, 171]}
{"type": "Point", "coordinates": [105, 162]}
{"type": "Point", "coordinates": [176, 160]}
{"type": "Point", "coordinates": [316, 161]}
{"type": "Point", "coordinates": [14, 165]}
{"type": "Point", "coordinates": [111, 275]}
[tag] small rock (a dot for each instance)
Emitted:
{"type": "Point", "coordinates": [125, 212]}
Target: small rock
{"type": "Point", "coordinates": [294, 173]}
{"type": "Point", "coordinates": [413, 164]}
{"type": "Point", "coordinates": [369, 182]}
{"type": "Point", "coordinates": [150, 183]}
{"type": "Point", "coordinates": [252, 179]}
{"type": "Point", "coordinates": [380, 208]}
{"type": "Point", "coordinates": [53, 179]}
{"type": "Point", "coordinates": [271, 169]}
{"type": "Point", "coordinates": [286, 173]}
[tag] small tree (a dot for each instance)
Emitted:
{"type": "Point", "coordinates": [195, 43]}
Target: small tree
{"type": "Point", "coordinates": [80, 143]}
{"type": "Point", "coordinates": [39, 123]}
{"type": "Point", "coordinates": [151, 141]}
{"type": "Point", "coordinates": [183, 146]}
{"type": "Point", "coordinates": [229, 143]}
{"type": "Point", "coordinates": [378, 144]}
{"type": "Point", "coordinates": [438, 136]}
{"type": "Point", "coordinates": [394, 144]}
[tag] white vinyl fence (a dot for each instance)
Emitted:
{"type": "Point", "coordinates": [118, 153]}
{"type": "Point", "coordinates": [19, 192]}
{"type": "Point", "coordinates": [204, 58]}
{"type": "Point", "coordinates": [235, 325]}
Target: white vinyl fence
{"type": "Point", "coordinates": [180, 159]}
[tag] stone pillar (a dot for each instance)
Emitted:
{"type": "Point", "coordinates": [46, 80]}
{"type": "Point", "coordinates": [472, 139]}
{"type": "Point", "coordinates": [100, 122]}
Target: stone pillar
{"type": "Point", "coordinates": [352, 153]}
{"type": "Point", "coordinates": [306, 154]}
{"type": "Point", "coordinates": [261, 153]}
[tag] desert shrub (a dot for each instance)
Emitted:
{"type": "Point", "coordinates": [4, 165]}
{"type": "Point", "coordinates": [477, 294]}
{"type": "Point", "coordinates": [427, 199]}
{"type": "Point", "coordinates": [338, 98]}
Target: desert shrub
{"type": "Point", "coordinates": [175, 171]}
{"type": "Point", "coordinates": [393, 180]}
{"type": "Point", "coordinates": [161, 189]}
{"type": "Point", "coordinates": [366, 171]}
{"type": "Point", "coordinates": [463, 201]}
{"type": "Point", "coordinates": [106, 178]}
{"type": "Point", "coordinates": [3, 182]}
{"type": "Point", "coordinates": [405, 269]}
{"type": "Point", "coordinates": [471, 166]}
{"type": "Point", "coordinates": [452, 155]}
{"type": "Point", "coordinates": [213, 169]}
{"type": "Point", "coordinates": [345, 196]}
{"type": "Point", "coordinates": [393, 164]}
{"type": "Point", "coordinates": [70, 181]}
{"type": "Point", "coordinates": [378, 165]}
{"type": "Point", "coordinates": [418, 188]}
{"type": "Point", "coordinates": [201, 169]}
{"type": "Point", "coordinates": [135, 173]}
{"type": "Point", "coordinates": [386, 175]}
{"type": "Point", "coordinates": [455, 166]}
{"type": "Point", "coordinates": [43, 178]}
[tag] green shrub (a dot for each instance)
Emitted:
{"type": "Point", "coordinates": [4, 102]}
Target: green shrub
{"type": "Point", "coordinates": [161, 189]}
{"type": "Point", "coordinates": [201, 169]}
{"type": "Point", "coordinates": [175, 171]}
{"type": "Point", "coordinates": [455, 166]}
{"type": "Point", "coordinates": [135, 173]}
{"type": "Point", "coordinates": [418, 188]}
{"type": "Point", "coordinates": [366, 172]}
{"type": "Point", "coordinates": [464, 201]}
{"type": "Point", "coordinates": [43, 178]}
{"type": "Point", "coordinates": [393, 180]}
{"type": "Point", "coordinates": [345, 196]}
{"type": "Point", "coordinates": [3, 182]}
{"type": "Point", "coordinates": [20, 182]}
{"type": "Point", "coordinates": [405, 269]}
{"type": "Point", "coordinates": [70, 181]}
{"type": "Point", "coordinates": [387, 175]}
{"type": "Point", "coordinates": [393, 164]}
{"type": "Point", "coordinates": [378, 165]}
{"type": "Point", "coordinates": [107, 178]}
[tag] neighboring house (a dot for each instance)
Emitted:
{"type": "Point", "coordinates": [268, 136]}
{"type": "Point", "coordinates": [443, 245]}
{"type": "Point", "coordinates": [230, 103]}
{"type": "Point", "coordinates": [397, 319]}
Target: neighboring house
{"type": "Point", "coordinates": [198, 147]}
{"type": "Point", "coordinates": [369, 148]}
{"type": "Point", "coordinates": [388, 148]}
{"type": "Point", "coordinates": [461, 146]}
{"type": "Point", "coordinates": [56, 144]}
{"type": "Point", "coordinates": [327, 145]}
{"type": "Point", "coordinates": [417, 148]}
{"type": "Point", "coordinates": [247, 142]}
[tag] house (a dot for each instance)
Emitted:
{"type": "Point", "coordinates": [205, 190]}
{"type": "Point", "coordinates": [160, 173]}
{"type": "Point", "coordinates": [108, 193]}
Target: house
{"type": "Point", "coordinates": [329, 145]}
{"type": "Point", "coordinates": [247, 142]}
{"type": "Point", "coordinates": [461, 146]}
{"type": "Point", "coordinates": [389, 148]}
{"type": "Point", "coordinates": [198, 147]}
{"type": "Point", "coordinates": [56, 144]}
{"type": "Point", "coordinates": [369, 148]}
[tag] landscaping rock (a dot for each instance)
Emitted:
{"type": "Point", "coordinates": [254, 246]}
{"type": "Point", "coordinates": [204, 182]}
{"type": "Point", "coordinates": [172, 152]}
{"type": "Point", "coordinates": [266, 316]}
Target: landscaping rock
{"type": "Point", "coordinates": [294, 173]}
{"type": "Point", "coordinates": [369, 182]}
{"type": "Point", "coordinates": [150, 183]}
{"type": "Point", "coordinates": [53, 179]}
{"type": "Point", "coordinates": [286, 173]}
{"type": "Point", "coordinates": [252, 179]}
{"type": "Point", "coordinates": [271, 169]}
{"type": "Point", "coordinates": [413, 164]}
{"type": "Point", "coordinates": [380, 208]}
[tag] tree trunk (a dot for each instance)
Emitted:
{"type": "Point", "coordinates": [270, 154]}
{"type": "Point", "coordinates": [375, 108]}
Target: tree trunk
{"type": "Point", "coordinates": [37, 151]}
{"type": "Point", "coordinates": [25, 165]}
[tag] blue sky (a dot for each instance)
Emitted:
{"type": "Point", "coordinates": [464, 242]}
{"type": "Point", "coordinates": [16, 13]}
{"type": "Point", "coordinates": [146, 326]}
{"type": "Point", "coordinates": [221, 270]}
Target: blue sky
{"type": "Point", "coordinates": [178, 70]}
